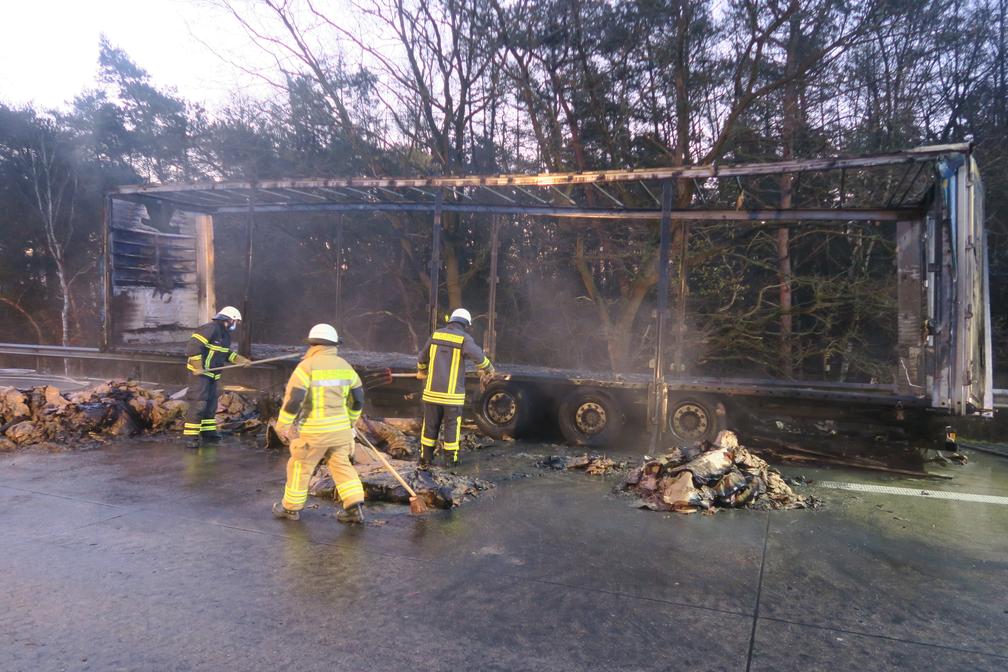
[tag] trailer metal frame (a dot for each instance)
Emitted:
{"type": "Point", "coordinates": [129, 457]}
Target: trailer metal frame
{"type": "Point", "coordinates": [924, 254]}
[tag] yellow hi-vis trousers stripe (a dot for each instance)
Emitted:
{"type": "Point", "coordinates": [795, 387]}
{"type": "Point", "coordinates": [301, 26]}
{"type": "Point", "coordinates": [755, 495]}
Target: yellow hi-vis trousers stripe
{"type": "Point", "coordinates": [452, 447]}
{"type": "Point", "coordinates": [295, 495]}
{"type": "Point", "coordinates": [455, 433]}
{"type": "Point", "coordinates": [350, 492]}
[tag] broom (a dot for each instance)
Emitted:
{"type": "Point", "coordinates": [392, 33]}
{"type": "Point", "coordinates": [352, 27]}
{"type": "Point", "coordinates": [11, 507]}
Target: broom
{"type": "Point", "coordinates": [258, 361]}
{"type": "Point", "coordinates": [416, 505]}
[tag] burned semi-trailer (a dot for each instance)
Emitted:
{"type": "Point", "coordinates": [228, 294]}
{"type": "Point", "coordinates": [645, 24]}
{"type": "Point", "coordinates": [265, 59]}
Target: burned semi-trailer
{"type": "Point", "coordinates": [926, 203]}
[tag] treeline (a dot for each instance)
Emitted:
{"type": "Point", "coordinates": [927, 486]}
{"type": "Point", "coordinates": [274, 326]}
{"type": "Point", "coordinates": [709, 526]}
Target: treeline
{"type": "Point", "coordinates": [483, 86]}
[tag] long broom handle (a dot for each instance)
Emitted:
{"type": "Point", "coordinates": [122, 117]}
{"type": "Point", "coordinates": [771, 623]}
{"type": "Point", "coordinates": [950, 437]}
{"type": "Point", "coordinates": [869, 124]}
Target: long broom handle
{"type": "Point", "coordinates": [377, 453]}
{"type": "Point", "coordinates": [258, 361]}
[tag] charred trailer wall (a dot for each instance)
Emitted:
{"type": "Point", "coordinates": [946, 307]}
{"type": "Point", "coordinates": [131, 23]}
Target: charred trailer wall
{"type": "Point", "coordinates": [160, 263]}
{"type": "Point", "coordinates": [910, 304]}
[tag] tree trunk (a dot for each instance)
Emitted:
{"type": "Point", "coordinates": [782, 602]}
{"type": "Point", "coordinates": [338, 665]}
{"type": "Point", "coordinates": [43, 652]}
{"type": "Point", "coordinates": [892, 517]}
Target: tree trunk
{"type": "Point", "coordinates": [64, 312]}
{"type": "Point", "coordinates": [65, 305]}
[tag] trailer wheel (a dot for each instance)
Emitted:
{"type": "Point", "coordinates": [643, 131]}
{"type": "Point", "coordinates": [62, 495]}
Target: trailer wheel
{"type": "Point", "coordinates": [590, 418]}
{"type": "Point", "coordinates": [695, 417]}
{"type": "Point", "coordinates": [503, 411]}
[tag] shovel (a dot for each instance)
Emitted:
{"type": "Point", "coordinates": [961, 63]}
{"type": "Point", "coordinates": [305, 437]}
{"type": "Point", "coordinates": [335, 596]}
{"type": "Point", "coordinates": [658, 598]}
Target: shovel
{"type": "Point", "coordinates": [416, 505]}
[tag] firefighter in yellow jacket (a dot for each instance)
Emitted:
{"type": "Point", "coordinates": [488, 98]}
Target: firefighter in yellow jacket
{"type": "Point", "coordinates": [441, 364]}
{"type": "Point", "coordinates": [323, 399]}
{"type": "Point", "coordinates": [209, 347]}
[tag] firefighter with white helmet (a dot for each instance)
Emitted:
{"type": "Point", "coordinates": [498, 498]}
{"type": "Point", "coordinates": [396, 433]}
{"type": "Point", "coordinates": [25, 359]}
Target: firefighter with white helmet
{"type": "Point", "coordinates": [323, 399]}
{"type": "Point", "coordinates": [441, 364]}
{"type": "Point", "coordinates": [209, 347]}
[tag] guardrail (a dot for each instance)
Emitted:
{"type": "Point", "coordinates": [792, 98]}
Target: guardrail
{"type": "Point", "coordinates": [78, 352]}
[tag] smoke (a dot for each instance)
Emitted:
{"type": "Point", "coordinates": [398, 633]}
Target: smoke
{"type": "Point", "coordinates": [569, 295]}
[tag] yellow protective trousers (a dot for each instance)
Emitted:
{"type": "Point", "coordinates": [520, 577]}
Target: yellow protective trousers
{"type": "Point", "coordinates": [305, 454]}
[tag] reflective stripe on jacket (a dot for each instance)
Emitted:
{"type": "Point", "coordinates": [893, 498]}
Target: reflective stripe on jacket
{"type": "Point", "coordinates": [443, 359]}
{"type": "Point", "coordinates": [316, 395]}
{"type": "Point", "coordinates": [209, 347]}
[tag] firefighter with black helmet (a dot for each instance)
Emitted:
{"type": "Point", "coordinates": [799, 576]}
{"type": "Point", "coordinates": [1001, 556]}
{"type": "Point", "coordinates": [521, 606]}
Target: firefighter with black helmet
{"type": "Point", "coordinates": [441, 365]}
{"type": "Point", "coordinates": [209, 347]}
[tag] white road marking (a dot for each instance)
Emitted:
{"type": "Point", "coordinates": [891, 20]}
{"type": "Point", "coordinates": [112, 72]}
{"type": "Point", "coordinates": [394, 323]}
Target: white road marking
{"type": "Point", "coordinates": [913, 492]}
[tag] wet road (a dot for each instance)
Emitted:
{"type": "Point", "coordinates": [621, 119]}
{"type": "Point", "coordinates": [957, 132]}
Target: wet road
{"type": "Point", "coordinates": [144, 556]}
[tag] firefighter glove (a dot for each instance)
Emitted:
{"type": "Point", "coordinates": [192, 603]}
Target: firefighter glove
{"type": "Point", "coordinates": [285, 432]}
{"type": "Point", "coordinates": [241, 360]}
{"type": "Point", "coordinates": [421, 375]}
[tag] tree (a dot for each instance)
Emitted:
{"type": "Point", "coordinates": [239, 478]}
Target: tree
{"type": "Point", "coordinates": [151, 127]}
{"type": "Point", "coordinates": [39, 156]}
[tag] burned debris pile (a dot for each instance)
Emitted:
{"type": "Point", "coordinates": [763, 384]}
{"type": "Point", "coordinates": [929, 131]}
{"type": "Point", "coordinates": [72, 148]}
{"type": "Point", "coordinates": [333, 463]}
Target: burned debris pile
{"type": "Point", "coordinates": [43, 416]}
{"type": "Point", "coordinates": [722, 474]}
{"type": "Point", "coordinates": [389, 438]}
{"type": "Point", "coordinates": [239, 414]}
{"type": "Point", "coordinates": [594, 464]}
{"type": "Point", "coordinates": [438, 489]}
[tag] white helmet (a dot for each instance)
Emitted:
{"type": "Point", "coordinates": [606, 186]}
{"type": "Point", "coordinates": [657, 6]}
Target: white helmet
{"type": "Point", "coordinates": [228, 313]}
{"type": "Point", "coordinates": [324, 332]}
{"type": "Point", "coordinates": [461, 315]}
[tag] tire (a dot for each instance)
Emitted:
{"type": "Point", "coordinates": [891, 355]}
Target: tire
{"type": "Point", "coordinates": [693, 418]}
{"type": "Point", "coordinates": [590, 418]}
{"type": "Point", "coordinates": [503, 411]}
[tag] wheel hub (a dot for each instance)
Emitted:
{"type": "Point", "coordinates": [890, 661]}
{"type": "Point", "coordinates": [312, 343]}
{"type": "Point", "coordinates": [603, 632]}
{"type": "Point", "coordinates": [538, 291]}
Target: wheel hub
{"type": "Point", "coordinates": [501, 408]}
{"type": "Point", "coordinates": [590, 418]}
{"type": "Point", "coordinates": [690, 421]}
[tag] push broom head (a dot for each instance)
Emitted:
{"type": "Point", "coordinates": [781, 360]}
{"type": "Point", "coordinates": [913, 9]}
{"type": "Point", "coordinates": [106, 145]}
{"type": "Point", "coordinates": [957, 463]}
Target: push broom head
{"type": "Point", "coordinates": [417, 506]}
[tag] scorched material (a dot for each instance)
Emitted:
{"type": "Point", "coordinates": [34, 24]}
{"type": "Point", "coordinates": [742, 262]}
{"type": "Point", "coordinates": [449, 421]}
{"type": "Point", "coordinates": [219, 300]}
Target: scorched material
{"type": "Point", "coordinates": [437, 488]}
{"type": "Point", "coordinates": [722, 474]}
{"type": "Point", "coordinates": [596, 465]}
{"type": "Point", "coordinates": [389, 438]}
{"type": "Point", "coordinates": [43, 415]}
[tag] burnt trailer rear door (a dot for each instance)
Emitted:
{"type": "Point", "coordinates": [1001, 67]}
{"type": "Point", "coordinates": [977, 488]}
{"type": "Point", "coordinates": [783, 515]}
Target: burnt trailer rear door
{"type": "Point", "coordinates": [158, 273]}
{"type": "Point", "coordinates": [958, 293]}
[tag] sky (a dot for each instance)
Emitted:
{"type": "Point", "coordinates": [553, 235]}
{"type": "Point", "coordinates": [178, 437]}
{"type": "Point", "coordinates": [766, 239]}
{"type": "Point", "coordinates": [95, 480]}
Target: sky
{"type": "Point", "coordinates": [49, 48]}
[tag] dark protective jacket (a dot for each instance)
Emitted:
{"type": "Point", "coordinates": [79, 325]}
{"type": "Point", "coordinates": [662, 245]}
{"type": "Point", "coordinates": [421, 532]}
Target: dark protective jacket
{"type": "Point", "coordinates": [324, 394]}
{"type": "Point", "coordinates": [209, 347]}
{"type": "Point", "coordinates": [443, 360]}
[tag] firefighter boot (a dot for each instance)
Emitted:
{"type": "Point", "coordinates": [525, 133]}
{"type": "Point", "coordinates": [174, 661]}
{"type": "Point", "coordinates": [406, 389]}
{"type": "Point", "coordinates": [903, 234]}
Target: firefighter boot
{"type": "Point", "coordinates": [193, 443]}
{"type": "Point", "coordinates": [450, 458]}
{"type": "Point", "coordinates": [355, 515]}
{"type": "Point", "coordinates": [425, 458]}
{"type": "Point", "coordinates": [280, 512]}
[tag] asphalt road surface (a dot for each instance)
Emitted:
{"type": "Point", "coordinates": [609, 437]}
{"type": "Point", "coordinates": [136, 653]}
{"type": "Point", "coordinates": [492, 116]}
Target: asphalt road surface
{"type": "Point", "coordinates": [145, 556]}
